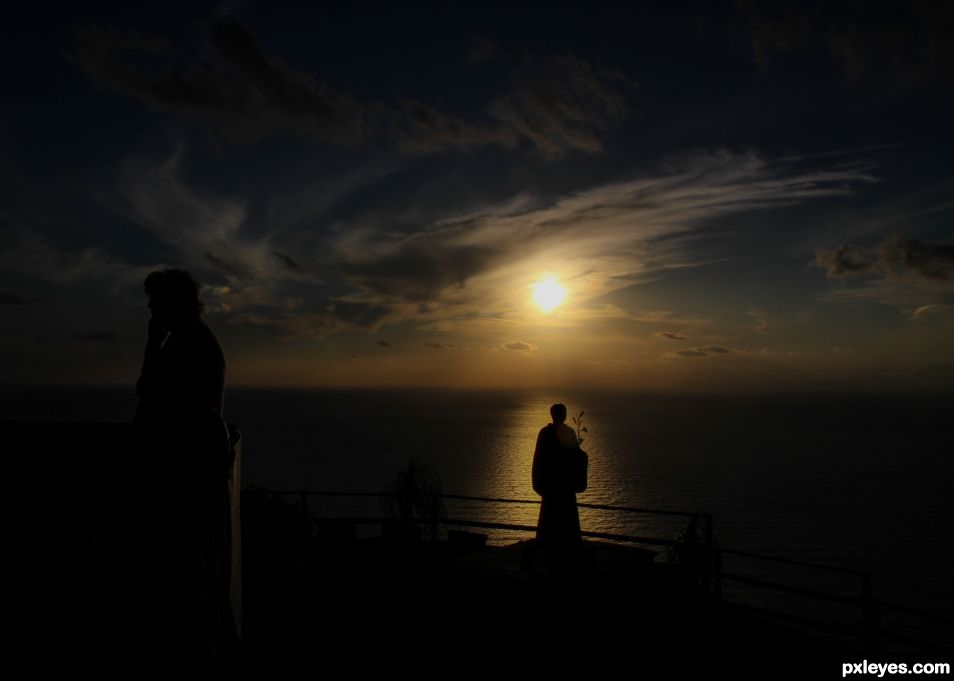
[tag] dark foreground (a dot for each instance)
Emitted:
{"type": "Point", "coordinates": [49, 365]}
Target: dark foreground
{"type": "Point", "coordinates": [420, 610]}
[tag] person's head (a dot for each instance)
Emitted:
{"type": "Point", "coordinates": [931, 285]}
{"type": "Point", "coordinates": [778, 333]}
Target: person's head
{"type": "Point", "coordinates": [558, 413]}
{"type": "Point", "coordinates": [173, 295]}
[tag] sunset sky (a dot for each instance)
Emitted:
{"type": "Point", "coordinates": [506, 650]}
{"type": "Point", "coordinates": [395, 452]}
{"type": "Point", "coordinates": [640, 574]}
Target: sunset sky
{"type": "Point", "coordinates": [727, 196]}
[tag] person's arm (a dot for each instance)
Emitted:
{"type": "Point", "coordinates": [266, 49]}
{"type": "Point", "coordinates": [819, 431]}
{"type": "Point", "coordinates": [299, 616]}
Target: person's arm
{"type": "Point", "coordinates": [149, 376]}
{"type": "Point", "coordinates": [538, 471]}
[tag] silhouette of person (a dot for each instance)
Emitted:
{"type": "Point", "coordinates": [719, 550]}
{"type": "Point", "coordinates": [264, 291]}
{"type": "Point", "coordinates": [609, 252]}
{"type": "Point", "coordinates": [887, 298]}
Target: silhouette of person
{"type": "Point", "coordinates": [559, 524]}
{"type": "Point", "coordinates": [182, 435]}
{"type": "Point", "coordinates": [183, 372]}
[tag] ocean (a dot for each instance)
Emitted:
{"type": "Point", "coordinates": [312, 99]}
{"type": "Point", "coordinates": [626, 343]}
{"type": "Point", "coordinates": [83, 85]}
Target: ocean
{"type": "Point", "coordinates": [859, 481]}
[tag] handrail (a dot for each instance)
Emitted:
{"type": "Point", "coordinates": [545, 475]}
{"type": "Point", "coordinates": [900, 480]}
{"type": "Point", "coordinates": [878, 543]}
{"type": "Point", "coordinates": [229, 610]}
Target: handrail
{"type": "Point", "coordinates": [800, 563]}
{"type": "Point", "coordinates": [871, 608]}
{"type": "Point", "coordinates": [465, 497]}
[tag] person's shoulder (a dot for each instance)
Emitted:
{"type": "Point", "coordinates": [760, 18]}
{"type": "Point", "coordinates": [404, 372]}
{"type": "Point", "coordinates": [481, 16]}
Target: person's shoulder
{"type": "Point", "coordinates": [202, 336]}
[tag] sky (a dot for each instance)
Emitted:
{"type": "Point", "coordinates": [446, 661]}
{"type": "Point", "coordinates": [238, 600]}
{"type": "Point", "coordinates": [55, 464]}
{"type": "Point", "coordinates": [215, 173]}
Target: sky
{"type": "Point", "coordinates": [727, 196]}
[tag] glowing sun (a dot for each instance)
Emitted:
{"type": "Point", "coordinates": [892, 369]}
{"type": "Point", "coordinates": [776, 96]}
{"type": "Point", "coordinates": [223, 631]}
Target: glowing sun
{"type": "Point", "coordinates": [548, 294]}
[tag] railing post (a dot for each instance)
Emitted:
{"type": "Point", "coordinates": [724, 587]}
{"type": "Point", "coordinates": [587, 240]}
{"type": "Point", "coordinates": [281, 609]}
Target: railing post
{"type": "Point", "coordinates": [707, 567]}
{"type": "Point", "coordinates": [871, 619]}
{"type": "Point", "coordinates": [304, 501]}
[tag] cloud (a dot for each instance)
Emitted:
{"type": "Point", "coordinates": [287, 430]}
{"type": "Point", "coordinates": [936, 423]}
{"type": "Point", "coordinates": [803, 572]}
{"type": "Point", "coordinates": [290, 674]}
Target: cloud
{"type": "Point", "coordinates": [844, 260]}
{"type": "Point", "coordinates": [242, 96]}
{"type": "Point", "coordinates": [704, 351]}
{"type": "Point", "coordinates": [555, 103]}
{"type": "Point", "coordinates": [203, 230]}
{"type": "Point", "coordinates": [418, 266]}
{"type": "Point", "coordinates": [359, 313]}
{"type": "Point", "coordinates": [714, 349]}
{"type": "Point", "coordinates": [284, 325]}
{"type": "Point", "coordinates": [420, 128]}
{"type": "Point", "coordinates": [287, 261]}
{"type": "Point", "coordinates": [32, 256]}
{"type": "Point", "coordinates": [897, 255]}
{"type": "Point", "coordinates": [364, 273]}
{"type": "Point", "coordinates": [563, 102]}
{"type": "Point", "coordinates": [520, 346]}
{"type": "Point", "coordinates": [97, 337]}
{"type": "Point", "coordinates": [238, 270]}
{"type": "Point", "coordinates": [670, 335]}
{"type": "Point", "coordinates": [925, 312]}
{"type": "Point", "coordinates": [886, 44]}
{"type": "Point", "coordinates": [761, 324]}
{"type": "Point", "coordinates": [439, 346]}
{"type": "Point", "coordinates": [597, 240]}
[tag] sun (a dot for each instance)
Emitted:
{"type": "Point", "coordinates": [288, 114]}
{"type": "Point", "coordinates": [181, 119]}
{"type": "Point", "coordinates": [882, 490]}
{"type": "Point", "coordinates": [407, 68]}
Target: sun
{"type": "Point", "coordinates": [548, 294]}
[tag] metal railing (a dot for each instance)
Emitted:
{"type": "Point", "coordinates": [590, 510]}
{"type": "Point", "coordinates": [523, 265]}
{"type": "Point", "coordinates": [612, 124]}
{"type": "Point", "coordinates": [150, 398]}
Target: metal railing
{"type": "Point", "coordinates": [712, 576]}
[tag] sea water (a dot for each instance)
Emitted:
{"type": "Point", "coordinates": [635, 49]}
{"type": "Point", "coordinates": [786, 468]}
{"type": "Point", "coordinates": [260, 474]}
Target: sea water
{"type": "Point", "coordinates": [859, 481]}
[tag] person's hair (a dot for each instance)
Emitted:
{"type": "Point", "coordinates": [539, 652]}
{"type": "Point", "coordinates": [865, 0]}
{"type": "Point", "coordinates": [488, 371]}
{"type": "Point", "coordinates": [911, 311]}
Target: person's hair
{"type": "Point", "coordinates": [558, 412]}
{"type": "Point", "coordinates": [175, 287]}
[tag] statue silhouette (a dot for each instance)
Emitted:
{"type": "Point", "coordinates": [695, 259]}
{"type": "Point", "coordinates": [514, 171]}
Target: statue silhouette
{"type": "Point", "coordinates": [183, 438]}
{"type": "Point", "coordinates": [555, 481]}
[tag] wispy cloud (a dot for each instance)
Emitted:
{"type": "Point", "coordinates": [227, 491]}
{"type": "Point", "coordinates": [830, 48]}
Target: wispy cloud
{"type": "Point", "coordinates": [597, 240]}
{"type": "Point", "coordinates": [33, 257]}
{"type": "Point", "coordinates": [703, 351]}
{"type": "Point", "coordinates": [466, 266]}
{"type": "Point", "coordinates": [898, 44]}
{"type": "Point", "coordinates": [554, 104]}
{"type": "Point", "coordinates": [243, 96]}
{"type": "Point", "coordinates": [520, 346]}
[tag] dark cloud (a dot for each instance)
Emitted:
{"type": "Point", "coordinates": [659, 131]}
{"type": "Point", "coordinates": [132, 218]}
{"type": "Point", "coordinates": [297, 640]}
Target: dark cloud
{"type": "Point", "coordinates": [704, 351]}
{"type": "Point", "coordinates": [671, 336]}
{"type": "Point", "coordinates": [439, 346]}
{"type": "Point", "coordinates": [97, 337]}
{"type": "Point", "coordinates": [236, 269]}
{"type": "Point", "coordinates": [417, 271]}
{"type": "Point", "coordinates": [383, 343]}
{"type": "Point", "coordinates": [420, 128]}
{"type": "Point", "coordinates": [897, 43]}
{"type": "Point", "coordinates": [285, 325]}
{"type": "Point", "coordinates": [561, 103]}
{"type": "Point", "coordinates": [844, 260]}
{"type": "Point", "coordinates": [714, 349]}
{"type": "Point", "coordinates": [8, 299]}
{"type": "Point", "coordinates": [359, 313]}
{"type": "Point", "coordinates": [555, 103]}
{"type": "Point", "coordinates": [243, 95]}
{"type": "Point", "coordinates": [287, 261]}
{"type": "Point", "coordinates": [520, 346]}
{"type": "Point", "coordinates": [898, 254]}
{"type": "Point", "coordinates": [895, 256]}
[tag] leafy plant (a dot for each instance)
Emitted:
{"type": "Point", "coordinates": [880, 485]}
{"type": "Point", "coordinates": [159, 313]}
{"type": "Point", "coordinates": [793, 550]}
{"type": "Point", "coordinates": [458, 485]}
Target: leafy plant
{"type": "Point", "coordinates": [415, 493]}
{"type": "Point", "coordinates": [691, 553]}
{"type": "Point", "coordinates": [580, 428]}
